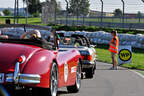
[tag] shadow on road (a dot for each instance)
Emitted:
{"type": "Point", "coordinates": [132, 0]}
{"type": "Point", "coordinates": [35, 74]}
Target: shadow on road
{"type": "Point", "coordinates": [30, 93]}
{"type": "Point", "coordinates": [105, 66]}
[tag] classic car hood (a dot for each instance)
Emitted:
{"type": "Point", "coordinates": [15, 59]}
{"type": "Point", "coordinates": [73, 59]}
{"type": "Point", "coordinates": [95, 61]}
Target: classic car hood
{"type": "Point", "coordinates": [9, 53]}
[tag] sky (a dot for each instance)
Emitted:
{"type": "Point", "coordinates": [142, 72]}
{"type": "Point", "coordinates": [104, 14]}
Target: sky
{"type": "Point", "coordinates": [131, 6]}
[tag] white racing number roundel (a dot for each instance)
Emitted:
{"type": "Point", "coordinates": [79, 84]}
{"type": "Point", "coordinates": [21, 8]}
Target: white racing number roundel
{"type": "Point", "coordinates": [65, 72]}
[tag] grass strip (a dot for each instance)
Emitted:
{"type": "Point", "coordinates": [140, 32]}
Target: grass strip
{"type": "Point", "coordinates": [104, 55]}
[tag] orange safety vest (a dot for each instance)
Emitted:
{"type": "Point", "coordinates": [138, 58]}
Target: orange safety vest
{"type": "Point", "coordinates": [114, 47]}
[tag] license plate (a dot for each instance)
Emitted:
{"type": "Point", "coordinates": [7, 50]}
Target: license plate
{"type": "Point", "coordinates": [1, 77]}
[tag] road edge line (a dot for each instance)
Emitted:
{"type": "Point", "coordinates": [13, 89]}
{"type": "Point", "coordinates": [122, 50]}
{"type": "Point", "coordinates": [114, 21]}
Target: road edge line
{"type": "Point", "coordinates": [139, 74]}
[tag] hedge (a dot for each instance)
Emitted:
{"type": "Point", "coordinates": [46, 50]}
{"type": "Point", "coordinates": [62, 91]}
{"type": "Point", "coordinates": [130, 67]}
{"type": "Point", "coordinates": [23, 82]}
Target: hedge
{"type": "Point", "coordinates": [93, 29]}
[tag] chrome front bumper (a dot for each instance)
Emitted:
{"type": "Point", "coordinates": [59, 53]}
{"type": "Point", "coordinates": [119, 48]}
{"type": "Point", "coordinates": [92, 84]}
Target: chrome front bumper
{"type": "Point", "coordinates": [23, 79]}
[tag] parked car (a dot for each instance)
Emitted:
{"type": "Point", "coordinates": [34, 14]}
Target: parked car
{"type": "Point", "coordinates": [25, 63]}
{"type": "Point", "coordinates": [87, 51]}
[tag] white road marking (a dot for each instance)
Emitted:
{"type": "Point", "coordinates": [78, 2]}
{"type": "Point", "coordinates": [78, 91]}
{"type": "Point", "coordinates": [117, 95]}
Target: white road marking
{"type": "Point", "coordinates": [137, 73]}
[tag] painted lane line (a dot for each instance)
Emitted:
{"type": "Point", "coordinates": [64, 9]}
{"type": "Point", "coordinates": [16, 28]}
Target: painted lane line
{"type": "Point", "coordinates": [137, 73]}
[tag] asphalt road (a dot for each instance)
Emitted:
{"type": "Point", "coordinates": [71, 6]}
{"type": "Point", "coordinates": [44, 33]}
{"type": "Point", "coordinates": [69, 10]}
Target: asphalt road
{"type": "Point", "coordinates": [106, 82]}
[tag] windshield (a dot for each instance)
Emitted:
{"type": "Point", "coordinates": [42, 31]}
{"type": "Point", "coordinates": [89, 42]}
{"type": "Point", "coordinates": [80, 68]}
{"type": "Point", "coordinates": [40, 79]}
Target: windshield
{"type": "Point", "coordinates": [66, 41]}
{"type": "Point", "coordinates": [73, 41]}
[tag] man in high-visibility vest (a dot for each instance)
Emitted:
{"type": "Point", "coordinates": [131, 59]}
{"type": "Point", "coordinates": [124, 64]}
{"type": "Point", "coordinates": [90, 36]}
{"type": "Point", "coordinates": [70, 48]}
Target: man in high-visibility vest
{"type": "Point", "coordinates": [113, 48]}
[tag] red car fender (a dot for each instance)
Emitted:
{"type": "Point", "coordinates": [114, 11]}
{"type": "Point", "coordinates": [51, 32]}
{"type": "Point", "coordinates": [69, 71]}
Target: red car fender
{"type": "Point", "coordinates": [40, 63]}
{"type": "Point", "coordinates": [75, 60]}
{"type": "Point", "coordinates": [71, 59]}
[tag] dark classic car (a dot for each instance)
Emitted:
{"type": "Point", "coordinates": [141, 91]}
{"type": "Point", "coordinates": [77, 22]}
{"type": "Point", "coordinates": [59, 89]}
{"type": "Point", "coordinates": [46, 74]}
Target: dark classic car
{"type": "Point", "coordinates": [87, 51]}
{"type": "Point", "coordinates": [26, 63]}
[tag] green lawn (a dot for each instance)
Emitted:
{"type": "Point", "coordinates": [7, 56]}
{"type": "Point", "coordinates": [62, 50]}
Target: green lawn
{"type": "Point", "coordinates": [141, 72]}
{"type": "Point", "coordinates": [103, 55]}
{"type": "Point", "coordinates": [137, 60]}
{"type": "Point", "coordinates": [137, 57]}
{"type": "Point", "coordinates": [22, 20]}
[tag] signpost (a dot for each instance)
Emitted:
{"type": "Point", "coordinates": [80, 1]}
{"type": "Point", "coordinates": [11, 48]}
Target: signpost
{"type": "Point", "coordinates": [16, 11]}
{"type": "Point", "coordinates": [124, 55]}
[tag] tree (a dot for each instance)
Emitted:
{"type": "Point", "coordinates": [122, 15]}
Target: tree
{"type": "Point", "coordinates": [55, 4]}
{"type": "Point", "coordinates": [59, 8]}
{"type": "Point", "coordinates": [139, 14]}
{"type": "Point", "coordinates": [117, 13]}
{"type": "Point", "coordinates": [79, 7]}
{"type": "Point", "coordinates": [34, 6]}
{"type": "Point", "coordinates": [6, 12]}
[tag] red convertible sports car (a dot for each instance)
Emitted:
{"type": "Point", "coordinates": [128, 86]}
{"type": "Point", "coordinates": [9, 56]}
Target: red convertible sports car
{"type": "Point", "coordinates": [28, 63]}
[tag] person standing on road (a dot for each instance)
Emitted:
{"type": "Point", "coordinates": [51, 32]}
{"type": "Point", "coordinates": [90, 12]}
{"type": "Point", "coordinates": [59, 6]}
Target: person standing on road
{"type": "Point", "coordinates": [113, 48]}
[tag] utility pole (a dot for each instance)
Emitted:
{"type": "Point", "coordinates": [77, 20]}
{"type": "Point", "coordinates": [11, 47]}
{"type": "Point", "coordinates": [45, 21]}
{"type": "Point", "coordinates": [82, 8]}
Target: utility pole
{"type": "Point", "coordinates": [26, 11]}
{"type": "Point", "coordinates": [101, 12]}
{"type": "Point", "coordinates": [83, 2]}
{"type": "Point", "coordinates": [140, 17]}
{"type": "Point", "coordinates": [55, 15]}
{"type": "Point", "coordinates": [123, 17]}
{"type": "Point", "coordinates": [77, 11]}
{"type": "Point", "coordinates": [66, 12]}
{"type": "Point", "coordinates": [14, 11]}
{"type": "Point", "coordinates": [17, 11]}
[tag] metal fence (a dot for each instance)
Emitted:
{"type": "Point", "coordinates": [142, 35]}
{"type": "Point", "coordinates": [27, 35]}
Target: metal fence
{"type": "Point", "coordinates": [125, 21]}
{"type": "Point", "coordinates": [51, 15]}
{"type": "Point", "coordinates": [130, 23]}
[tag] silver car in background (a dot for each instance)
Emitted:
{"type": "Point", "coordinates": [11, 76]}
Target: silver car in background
{"type": "Point", "coordinates": [87, 51]}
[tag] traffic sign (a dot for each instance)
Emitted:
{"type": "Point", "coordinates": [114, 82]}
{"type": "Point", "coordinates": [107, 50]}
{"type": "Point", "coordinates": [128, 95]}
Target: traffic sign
{"type": "Point", "coordinates": [124, 54]}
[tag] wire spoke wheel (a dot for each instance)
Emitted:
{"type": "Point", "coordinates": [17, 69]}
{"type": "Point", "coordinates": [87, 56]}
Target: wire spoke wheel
{"type": "Point", "coordinates": [78, 77]}
{"type": "Point", "coordinates": [54, 80]}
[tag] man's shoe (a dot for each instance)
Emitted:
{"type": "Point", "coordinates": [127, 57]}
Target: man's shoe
{"type": "Point", "coordinates": [112, 68]}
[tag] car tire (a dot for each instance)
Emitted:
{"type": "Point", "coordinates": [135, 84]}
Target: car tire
{"type": "Point", "coordinates": [89, 73]}
{"type": "Point", "coordinates": [10, 89]}
{"type": "Point", "coordinates": [53, 80]}
{"type": "Point", "coordinates": [52, 90]}
{"type": "Point", "coordinates": [76, 87]}
{"type": "Point", "coordinates": [95, 66]}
